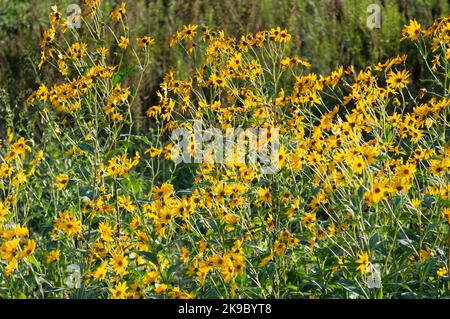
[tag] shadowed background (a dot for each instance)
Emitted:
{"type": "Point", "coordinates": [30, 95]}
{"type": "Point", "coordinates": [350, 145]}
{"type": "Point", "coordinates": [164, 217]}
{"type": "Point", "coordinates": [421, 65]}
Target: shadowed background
{"type": "Point", "coordinates": [328, 33]}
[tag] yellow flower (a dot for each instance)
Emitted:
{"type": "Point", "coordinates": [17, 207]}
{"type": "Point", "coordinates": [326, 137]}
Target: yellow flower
{"type": "Point", "coordinates": [281, 157]}
{"type": "Point", "coordinates": [42, 93]}
{"type": "Point", "coordinates": [416, 202]}
{"type": "Point", "coordinates": [92, 3]}
{"type": "Point", "coordinates": [6, 170]}
{"type": "Point", "coordinates": [105, 232]}
{"type": "Point", "coordinates": [412, 31]}
{"type": "Point", "coordinates": [61, 181]}
{"type": "Point", "coordinates": [153, 152]}
{"type": "Point", "coordinates": [119, 263]}
{"type": "Point", "coordinates": [150, 278]}
{"type": "Point", "coordinates": [442, 272]}
{"type": "Point", "coordinates": [437, 167]}
{"type": "Point", "coordinates": [185, 255]}
{"type": "Point", "coordinates": [363, 262]}
{"type": "Point", "coordinates": [119, 12]}
{"type": "Point", "coordinates": [100, 272]}
{"type": "Point", "coordinates": [52, 256]}
{"type": "Point", "coordinates": [126, 203]}
{"type": "Point", "coordinates": [161, 289]}
{"type": "Point", "coordinates": [235, 62]}
{"type": "Point", "coordinates": [446, 214]}
{"type": "Point", "coordinates": [309, 219]}
{"type": "Point", "coordinates": [77, 51]}
{"type": "Point", "coordinates": [68, 224]}
{"type": "Point", "coordinates": [19, 178]}
{"type": "Point", "coordinates": [123, 42]}
{"type": "Point", "coordinates": [188, 32]}
{"type": "Point", "coordinates": [62, 67]}
{"type": "Point", "coordinates": [164, 191]}
{"type": "Point", "coordinates": [19, 148]}
{"type": "Point", "coordinates": [120, 165]}
{"type": "Point", "coordinates": [358, 164]}
{"type": "Point", "coordinates": [424, 254]}
{"type": "Point", "coordinates": [406, 171]}
{"type": "Point", "coordinates": [9, 249]}
{"type": "Point", "coordinates": [266, 260]}
{"type": "Point", "coordinates": [120, 291]}
{"type": "Point", "coordinates": [103, 52]}
{"type": "Point", "coordinates": [264, 196]}
{"type": "Point", "coordinates": [3, 211]}
{"type": "Point", "coordinates": [49, 37]}
{"type": "Point", "coordinates": [280, 35]}
{"type": "Point", "coordinates": [117, 117]}
{"type": "Point", "coordinates": [21, 231]}
{"type": "Point", "coordinates": [400, 185]}
{"type": "Point", "coordinates": [55, 16]}
{"type": "Point", "coordinates": [218, 81]}
{"type": "Point", "coordinates": [28, 250]}
{"type": "Point", "coordinates": [377, 193]}
{"type": "Point", "coordinates": [279, 247]}
{"type": "Point", "coordinates": [397, 80]}
{"type": "Point", "coordinates": [12, 265]}
{"type": "Point", "coordinates": [145, 41]}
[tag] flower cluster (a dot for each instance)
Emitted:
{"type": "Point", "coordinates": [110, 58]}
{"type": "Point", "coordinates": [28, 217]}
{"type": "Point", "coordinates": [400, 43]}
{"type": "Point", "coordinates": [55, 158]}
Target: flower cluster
{"type": "Point", "coordinates": [361, 184]}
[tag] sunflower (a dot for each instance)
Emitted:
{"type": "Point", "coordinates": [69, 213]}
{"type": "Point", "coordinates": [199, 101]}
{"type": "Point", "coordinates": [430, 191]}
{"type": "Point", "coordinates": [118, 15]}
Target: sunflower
{"type": "Point", "coordinates": [119, 12]}
{"type": "Point", "coordinates": [120, 291]}
{"type": "Point", "coordinates": [363, 262]}
{"type": "Point", "coordinates": [264, 196]}
{"type": "Point", "coordinates": [119, 263]}
{"type": "Point", "coordinates": [442, 272]}
{"type": "Point", "coordinates": [397, 80]}
{"type": "Point", "coordinates": [377, 193]}
{"type": "Point", "coordinates": [123, 42]}
{"type": "Point", "coordinates": [126, 203]}
{"type": "Point", "coordinates": [437, 167]}
{"type": "Point", "coordinates": [358, 164]}
{"type": "Point", "coordinates": [406, 171]}
{"type": "Point", "coordinates": [412, 31]}
{"type": "Point", "coordinates": [100, 272]}
{"type": "Point", "coordinates": [61, 181]}
{"type": "Point", "coordinates": [145, 41]}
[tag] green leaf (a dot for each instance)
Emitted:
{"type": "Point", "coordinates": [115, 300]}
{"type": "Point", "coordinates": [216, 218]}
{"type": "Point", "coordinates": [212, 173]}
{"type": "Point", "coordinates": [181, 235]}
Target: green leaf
{"type": "Point", "coordinates": [153, 257]}
{"type": "Point", "coordinates": [133, 184]}
{"type": "Point", "coordinates": [34, 262]}
{"type": "Point", "coordinates": [349, 286]}
{"type": "Point", "coordinates": [143, 139]}
{"type": "Point", "coordinates": [120, 75]}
